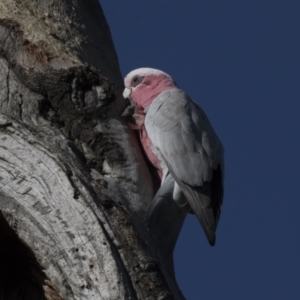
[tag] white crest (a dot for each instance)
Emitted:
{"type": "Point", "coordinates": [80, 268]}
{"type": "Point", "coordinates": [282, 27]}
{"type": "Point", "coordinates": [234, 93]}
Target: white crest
{"type": "Point", "coordinates": [143, 72]}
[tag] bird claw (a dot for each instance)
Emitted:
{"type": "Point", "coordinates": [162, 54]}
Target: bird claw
{"type": "Point", "coordinates": [129, 110]}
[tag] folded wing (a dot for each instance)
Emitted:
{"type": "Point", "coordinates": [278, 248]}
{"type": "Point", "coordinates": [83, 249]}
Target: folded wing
{"type": "Point", "coordinates": [181, 131]}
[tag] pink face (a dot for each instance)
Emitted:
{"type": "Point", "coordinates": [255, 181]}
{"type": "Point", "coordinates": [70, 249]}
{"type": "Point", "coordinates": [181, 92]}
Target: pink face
{"type": "Point", "coordinates": [146, 84]}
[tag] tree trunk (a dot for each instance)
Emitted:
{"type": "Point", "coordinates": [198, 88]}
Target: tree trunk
{"type": "Point", "coordinates": [74, 186]}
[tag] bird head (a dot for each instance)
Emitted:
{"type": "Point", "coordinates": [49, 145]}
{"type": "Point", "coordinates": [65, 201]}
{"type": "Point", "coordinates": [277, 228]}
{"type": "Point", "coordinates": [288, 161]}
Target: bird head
{"type": "Point", "coordinates": [144, 84]}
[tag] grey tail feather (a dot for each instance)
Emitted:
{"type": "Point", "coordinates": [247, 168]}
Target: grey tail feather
{"type": "Point", "coordinates": [205, 201]}
{"type": "Point", "coordinates": [200, 202]}
{"type": "Point", "coordinates": [211, 239]}
{"type": "Point", "coordinates": [165, 218]}
{"type": "Point", "coordinates": [199, 199]}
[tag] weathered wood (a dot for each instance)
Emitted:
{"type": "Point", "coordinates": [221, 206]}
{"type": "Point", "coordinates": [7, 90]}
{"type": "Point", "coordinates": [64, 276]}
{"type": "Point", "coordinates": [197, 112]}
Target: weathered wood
{"type": "Point", "coordinates": [74, 186]}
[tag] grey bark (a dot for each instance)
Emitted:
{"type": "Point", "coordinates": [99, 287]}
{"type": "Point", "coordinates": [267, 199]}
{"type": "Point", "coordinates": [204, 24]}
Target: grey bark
{"type": "Point", "coordinates": [74, 187]}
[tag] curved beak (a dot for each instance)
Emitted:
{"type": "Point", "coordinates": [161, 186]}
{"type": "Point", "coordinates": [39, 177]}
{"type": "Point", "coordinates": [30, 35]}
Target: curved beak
{"type": "Point", "coordinates": [126, 93]}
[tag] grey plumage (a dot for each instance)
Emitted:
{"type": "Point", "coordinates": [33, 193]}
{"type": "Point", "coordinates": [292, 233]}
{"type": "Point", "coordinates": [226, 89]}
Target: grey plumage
{"type": "Point", "coordinates": [181, 132]}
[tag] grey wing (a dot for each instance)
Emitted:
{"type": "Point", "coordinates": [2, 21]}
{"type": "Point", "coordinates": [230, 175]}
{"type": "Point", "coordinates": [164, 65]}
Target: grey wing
{"type": "Point", "coordinates": [182, 133]}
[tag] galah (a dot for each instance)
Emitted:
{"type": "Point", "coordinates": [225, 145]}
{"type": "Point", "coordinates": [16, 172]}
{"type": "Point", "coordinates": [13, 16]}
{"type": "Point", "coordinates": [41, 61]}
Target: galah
{"type": "Point", "coordinates": [180, 142]}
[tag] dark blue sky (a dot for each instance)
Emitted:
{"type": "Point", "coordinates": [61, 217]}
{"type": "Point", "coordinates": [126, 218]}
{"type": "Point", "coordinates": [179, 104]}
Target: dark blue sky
{"type": "Point", "coordinates": [240, 61]}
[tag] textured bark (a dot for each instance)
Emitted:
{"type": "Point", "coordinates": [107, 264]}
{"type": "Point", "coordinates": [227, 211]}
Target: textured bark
{"type": "Point", "coordinates": [74, 186]}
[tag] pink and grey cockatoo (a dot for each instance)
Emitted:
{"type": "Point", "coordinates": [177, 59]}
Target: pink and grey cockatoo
{"type": "Point", "coordinates": [180, 142]}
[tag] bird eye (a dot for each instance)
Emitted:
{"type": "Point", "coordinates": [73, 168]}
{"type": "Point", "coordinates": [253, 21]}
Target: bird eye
{"type": "Point", "coordinates": [136, 80]}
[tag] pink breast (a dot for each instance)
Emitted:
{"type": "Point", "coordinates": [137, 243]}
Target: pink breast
{"type": "Point", "coordinates": [139, 125]}
{"type": "Point", "coordinates": [147, 144]}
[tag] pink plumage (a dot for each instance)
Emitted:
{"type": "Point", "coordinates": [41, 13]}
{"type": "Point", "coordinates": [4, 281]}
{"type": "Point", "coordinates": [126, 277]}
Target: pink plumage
{"type": "Point", "coordinates": [139, 125]}
{"type": "Point", "coordinates": [150, 88]}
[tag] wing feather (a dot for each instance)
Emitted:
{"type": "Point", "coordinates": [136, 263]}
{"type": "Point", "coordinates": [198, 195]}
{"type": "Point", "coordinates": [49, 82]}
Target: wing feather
{"type": "Point", "coordinates": [182, 133]}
